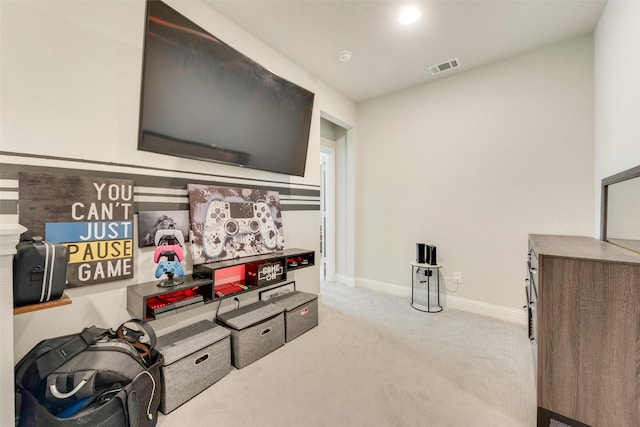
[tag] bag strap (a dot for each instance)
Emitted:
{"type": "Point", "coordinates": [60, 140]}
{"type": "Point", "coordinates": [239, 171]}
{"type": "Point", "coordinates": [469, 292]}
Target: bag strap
{"type": "Point", "coordinates": [133, 337]}
{"type": "Point", "coordinates": [31, 358]}
{"type": "Point", "coordinates": [53, 359]}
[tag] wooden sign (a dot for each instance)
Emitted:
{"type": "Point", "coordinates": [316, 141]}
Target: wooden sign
{"type": "Point", "coordinates": [93, 217]}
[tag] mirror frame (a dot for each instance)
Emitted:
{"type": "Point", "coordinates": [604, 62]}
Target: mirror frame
{"type": "Point", "coordinates": [606, 182]}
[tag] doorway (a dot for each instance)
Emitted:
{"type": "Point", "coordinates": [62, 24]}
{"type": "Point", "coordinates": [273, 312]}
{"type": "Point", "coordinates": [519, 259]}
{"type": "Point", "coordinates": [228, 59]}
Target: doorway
{"type": "Point", "coordinates": [336, 200]}
{"type": "Point", "coordinates": [327, 213]}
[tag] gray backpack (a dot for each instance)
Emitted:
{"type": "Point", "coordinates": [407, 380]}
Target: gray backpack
{"type": "Point", "coordinates": [95, 377]}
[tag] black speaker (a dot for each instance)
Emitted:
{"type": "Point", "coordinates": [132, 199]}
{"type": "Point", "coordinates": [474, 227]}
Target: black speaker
{"type": "Point", "coordinates": [431, 255]}
{"type": "Point", "coordinates": [421, 253]}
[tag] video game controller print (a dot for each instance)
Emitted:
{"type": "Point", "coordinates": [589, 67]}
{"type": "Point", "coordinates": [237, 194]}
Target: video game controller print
{"type": "Point", "coordinates": [221, 224]}
{"type": "Point", "coordinates": [268, 230]}
{"type": "Point", "coordinates": [214, 236]}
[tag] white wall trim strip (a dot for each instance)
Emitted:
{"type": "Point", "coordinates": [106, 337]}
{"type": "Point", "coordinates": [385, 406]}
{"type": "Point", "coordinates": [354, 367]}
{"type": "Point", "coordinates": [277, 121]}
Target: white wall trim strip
{"type": "Point", "coordinates": [163, 191]}
{"type": "Point", "coordinates": [8, 195]}
{"type": "Point", "coordinates": [52, 162]}
{"type": "Point", "coordinates": [9, 183]}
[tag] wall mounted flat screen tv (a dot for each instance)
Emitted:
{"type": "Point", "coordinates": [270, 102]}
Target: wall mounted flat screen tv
{"type": "Point", "coordinates": [204, 100]}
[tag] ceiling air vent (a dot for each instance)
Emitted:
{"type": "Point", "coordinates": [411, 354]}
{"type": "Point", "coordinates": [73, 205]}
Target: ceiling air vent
{"type": "Point", "coordinates": [445, 66]}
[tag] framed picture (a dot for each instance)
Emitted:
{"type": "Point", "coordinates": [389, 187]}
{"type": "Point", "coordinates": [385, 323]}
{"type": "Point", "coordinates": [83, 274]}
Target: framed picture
{"type": "Point", "coordinates": [277, 291]}
{"type": "Point", "coordinates": [230, 222]}
{"type": "Point", "coordinates": [149, 222]}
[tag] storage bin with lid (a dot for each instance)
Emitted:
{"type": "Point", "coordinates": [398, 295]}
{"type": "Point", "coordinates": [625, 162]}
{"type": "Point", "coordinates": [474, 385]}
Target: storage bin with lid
{"type": "Point", "coordinates": [301, 312]}
{"type": "Point", "coordinates": [195, 357]}
{"type": "Point", "coordinates": [256, 330]}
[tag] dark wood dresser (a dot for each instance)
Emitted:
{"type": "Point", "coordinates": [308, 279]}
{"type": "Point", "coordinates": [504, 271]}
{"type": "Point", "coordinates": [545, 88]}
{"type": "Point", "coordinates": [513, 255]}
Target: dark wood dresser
{"type": "Point", "coordinates": [583, 299]}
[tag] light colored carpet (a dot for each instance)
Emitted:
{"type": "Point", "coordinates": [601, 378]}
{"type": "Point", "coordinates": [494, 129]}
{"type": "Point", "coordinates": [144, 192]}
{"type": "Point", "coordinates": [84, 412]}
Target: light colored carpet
{"type": "Point", "coordinates": [375, 361]}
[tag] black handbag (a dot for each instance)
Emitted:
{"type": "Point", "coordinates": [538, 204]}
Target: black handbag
{"type": "Point", "coordinates": [95, 377]}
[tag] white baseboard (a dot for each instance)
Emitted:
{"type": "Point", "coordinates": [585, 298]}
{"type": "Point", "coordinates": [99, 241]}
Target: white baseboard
{"type": "Point", "coordinates": [345, 280]}
{"type": "Point", "coordinates": [401, 291]}
{"type": "Point", "coordinates": [477, 307]}
{"type": "Point", "coordinates": [485, 309]}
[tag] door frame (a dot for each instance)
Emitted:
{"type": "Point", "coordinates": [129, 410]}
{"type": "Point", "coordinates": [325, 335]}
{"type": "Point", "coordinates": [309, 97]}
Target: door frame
{"type": "Point", "coordinates": [327, 213]}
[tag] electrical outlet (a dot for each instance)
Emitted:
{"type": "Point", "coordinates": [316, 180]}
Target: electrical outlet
{"type": "Point", "coordinates": [457, 277]}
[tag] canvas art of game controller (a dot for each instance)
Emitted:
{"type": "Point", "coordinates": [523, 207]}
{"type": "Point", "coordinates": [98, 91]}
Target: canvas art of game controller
{"type": "Point", "coordinates": [225, 220]}
{"type": "Point", "coordinates": [169, 267]}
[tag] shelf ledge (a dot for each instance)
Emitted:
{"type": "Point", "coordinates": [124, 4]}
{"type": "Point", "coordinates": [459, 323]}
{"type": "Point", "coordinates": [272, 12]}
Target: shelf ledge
{"type": "Point", "coordinates": [63, 300]}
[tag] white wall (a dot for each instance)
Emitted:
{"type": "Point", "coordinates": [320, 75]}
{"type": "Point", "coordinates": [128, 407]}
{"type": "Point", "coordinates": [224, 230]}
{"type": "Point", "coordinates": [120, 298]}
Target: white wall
{"type": "Point", "coordinates": [473, 163]}
{"type": "Point", "coordinates": [70, 79]}
{"type": "Point", "coordinates": [617, 92]}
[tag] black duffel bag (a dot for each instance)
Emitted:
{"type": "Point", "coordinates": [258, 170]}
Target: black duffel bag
{"type": "Point", "coordinates": [98, 377]}
{"type": "Point", "coordinates": [39, 271]}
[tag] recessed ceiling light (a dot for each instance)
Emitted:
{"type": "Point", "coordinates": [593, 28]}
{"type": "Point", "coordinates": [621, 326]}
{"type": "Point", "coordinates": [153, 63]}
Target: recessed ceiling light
{"type": "Point", "coordinates": [344, 56]}
{"type": "Point", "coordinates": [408, 15]}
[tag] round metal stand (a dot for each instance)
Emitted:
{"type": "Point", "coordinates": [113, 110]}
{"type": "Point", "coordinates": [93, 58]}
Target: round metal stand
{"type": "Point", "coordinates": [428, 271]}
{"type": "Point", "coordinates": [170, 281]}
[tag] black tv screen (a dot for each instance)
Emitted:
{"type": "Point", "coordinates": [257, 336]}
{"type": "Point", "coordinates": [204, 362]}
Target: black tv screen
{"type": "Point", "coordinates": [204, 100]}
